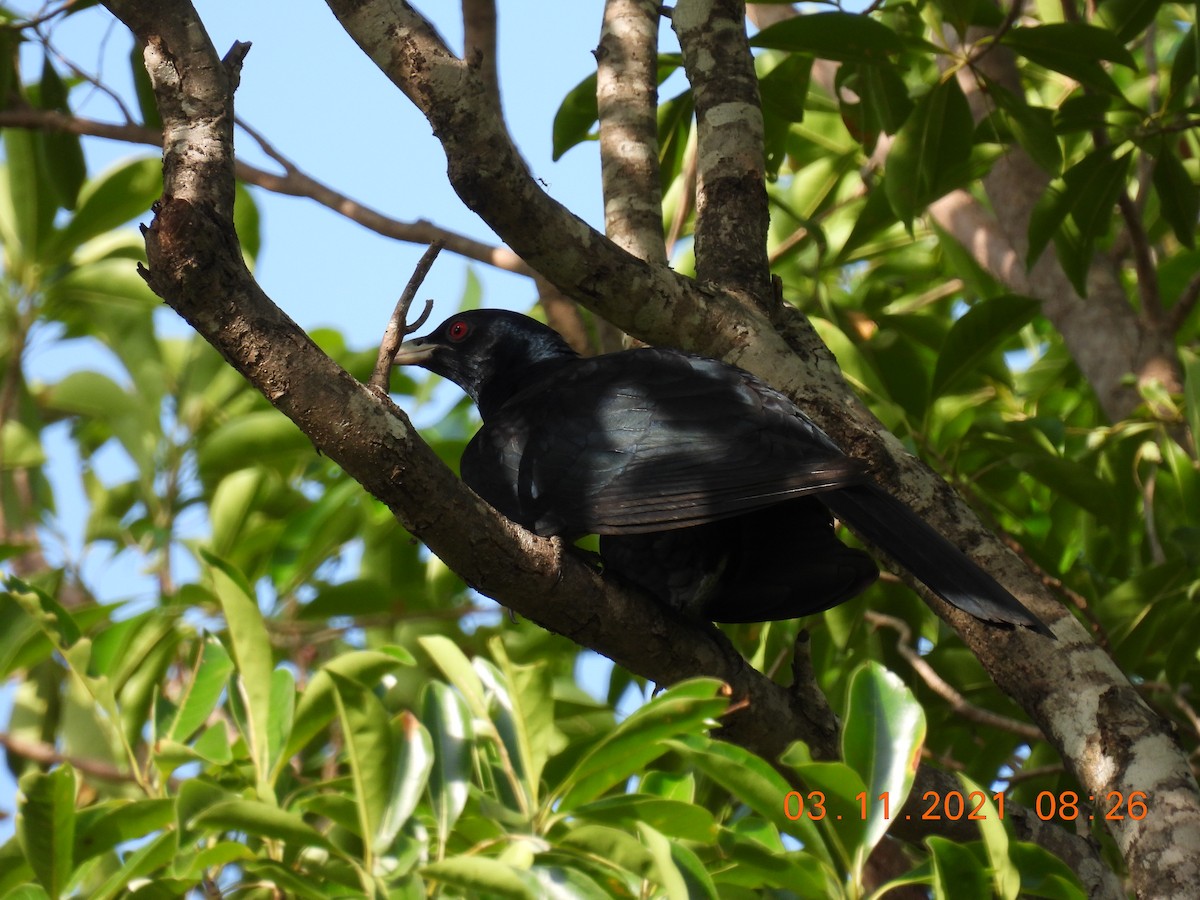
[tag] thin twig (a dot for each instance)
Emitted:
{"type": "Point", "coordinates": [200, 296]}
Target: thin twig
{"type": "Point", "coordinates": [944, 689]}
{"type": "Point", "coordinates": [397, 328]}
{"type": "Point", "coordinates": [45, 754]}
{"type": "Point", "coordinates": [1185, 304]}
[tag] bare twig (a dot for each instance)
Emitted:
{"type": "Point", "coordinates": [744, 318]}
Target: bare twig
{"type": "Point", "coordinates": [397, 327]}
{"type": "Point", "coordinates": [1184, 305]}
{"type": "Point", "coordinates": [943, 688]}
{"type": "Point", "coordinates": [46, 755]}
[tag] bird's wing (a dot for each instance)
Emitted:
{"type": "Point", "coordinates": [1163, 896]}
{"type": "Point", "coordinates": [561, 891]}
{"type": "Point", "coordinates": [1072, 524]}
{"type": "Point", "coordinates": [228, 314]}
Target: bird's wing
{"type": "Point", "coordinates": [663, 440]}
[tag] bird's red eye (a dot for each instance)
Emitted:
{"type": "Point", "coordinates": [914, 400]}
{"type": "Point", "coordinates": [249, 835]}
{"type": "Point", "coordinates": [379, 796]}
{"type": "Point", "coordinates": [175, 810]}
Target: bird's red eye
{"type": "Point", "coordinates": [458, 330]}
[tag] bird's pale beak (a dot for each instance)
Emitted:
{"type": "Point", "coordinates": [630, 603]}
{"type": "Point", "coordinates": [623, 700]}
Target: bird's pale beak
{"type": "Point", "coordinates": [414, 353]}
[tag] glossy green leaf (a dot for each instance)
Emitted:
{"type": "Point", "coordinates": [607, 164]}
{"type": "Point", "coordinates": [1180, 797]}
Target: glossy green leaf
{"type": "Point", "coordinates": [931, 154]}
{"type": "Point", "coordinates": [413, 764]}
{"type": "Point", "coordinates": [981, 331]}
{"type": "Point", "coordinates": [316, 705]}
{"type": "Point", "coordinates": [841, 794]}
{"type": "Point", "coordinates": [103, 826]}
{"type": "Point", "coordinates": [46, 825]}
{"type": "Point", "coordinates": [882, 737]}
{"type": "Point", "coordinates": [1043, 874]}
{"type": "Point", "coordinates": [844, 37]}
{"type": "Point", "coordinates": [448, 719]}
{"type": "Point", "coordinates": [232, 506]}
{"type": "Point", "coordinates": [368, 744]}
{"type": "Point", "coordinates": [117, 195]}
{"type": "Point", "coordinates": [252, 652]}
{"type": "Point", "coordinates": [454, 664]}
{"type": "Point", "coordinates": [752, 781]}
{"type": "Point", "coordinates": [259, 819]}
{"type": "Point", "coordinates": [202, 691]}
{"type": "Point", "coordinates": [139, 864]}
{"type": "Point", "coordinates": [668, 875]}
{"type": "Point", "coordinates": [673, 818]}
{"type": "Point", "coordinates": [575, 117]}
{"type": "Point", "coordinates": [1191, 388]}
{"type": "Point", "coordinates": [957, 871]}
{"type": "Point", "coordinates": [480, 876]}
{"type": "Point", "coordinates": [685, 708]}
{"type": "Point", "coordinates": [1184, 69]}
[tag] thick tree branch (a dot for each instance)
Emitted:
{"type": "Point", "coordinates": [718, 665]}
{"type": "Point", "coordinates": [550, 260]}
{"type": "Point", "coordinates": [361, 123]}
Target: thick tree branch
{"type": "Point", "coordinates": [627, 101]}
{"type": "Point", "coordinates": [731, 195]}
{"type": "Point", "coordinates": [479, 43]}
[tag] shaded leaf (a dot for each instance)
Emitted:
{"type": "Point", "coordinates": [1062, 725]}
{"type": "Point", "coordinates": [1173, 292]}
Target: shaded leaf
{"type": "Point", "coordinates": [931, 154]}
{"type": "Point", "coordinates": [844, 37]}
{"type": "Point", "coordinates": [46, 825]}
{"type": "Point", "coordinates": [986, 327]}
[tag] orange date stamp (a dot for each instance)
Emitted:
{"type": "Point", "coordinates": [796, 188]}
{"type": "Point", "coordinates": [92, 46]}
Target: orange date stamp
{"type": "Point", "coordinates": [973, 806]}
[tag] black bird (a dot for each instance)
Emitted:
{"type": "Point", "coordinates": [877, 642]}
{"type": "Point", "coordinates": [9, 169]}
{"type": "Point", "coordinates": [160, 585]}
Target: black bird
{"type": "Point", "coordinates": [709, 488]}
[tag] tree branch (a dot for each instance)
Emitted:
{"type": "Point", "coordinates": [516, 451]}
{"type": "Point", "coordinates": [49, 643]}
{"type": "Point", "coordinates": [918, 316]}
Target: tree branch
{"type": "Point", "coordinates": [627, 101]}
{"type": "Point", "coordinates": [731, 196]}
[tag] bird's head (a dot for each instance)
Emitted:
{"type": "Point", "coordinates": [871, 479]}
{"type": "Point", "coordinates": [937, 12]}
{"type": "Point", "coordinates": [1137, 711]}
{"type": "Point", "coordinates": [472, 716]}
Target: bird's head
{"type": "Point", "coordinates": [489, 353]}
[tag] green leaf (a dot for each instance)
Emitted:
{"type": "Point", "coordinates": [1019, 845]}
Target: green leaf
{"type": "Point", "coordinates": [259, 819]}
{"type": "Point", "coordinates": [1006, 877]}
{"type": "Point", "coordinates": [259, 436]}
{"type": "Point", "coordinates": [27, 208]}
{"type": "Point", "coordinates": [445, 714]}
{"type": "Point", "coordinates": [147, 104]}
{"type": "Point", "coordinates": [1184, 70]}
{"type": "Point", "coordinates": [1031, 126]}
{"type": "Point", "coordinates": [986, 327]}
{"type": "Point", "coordinates": [1085, 195]}
{"type": "Point", "coordinates": [317, 705]}
{"type": "Point", "coordinates": [1074, 49]}
{"type": "Point", "coordinates": [410, 775]}
{"type": "Point", "coordinates": [686, 821]}
{"type": "Point", "coordinates": [139, 864]}
{"type": "Point", "coordinates": [21, 446]}
{"type": "Point", "coordinates": [103, 826]}
{"type": "Point", "coordinates": [202, 691]}
{"type": "Point", "coordinates": [754, 782]}
{"type": "Point", "coordinates": [575, 117]}
{"type": "Point", "coordinates": [957, 871]}
{"type": "Point", "coordinates": [845, 37]}
{"type": "Point", "coordinates": [1127, 18]}
{"type": "Point", "coordinates": [480, 876]}
{"type": "Point", "coordinates": [685, 708]}
{"type": "Point", "coordinates": [254, 657]}
{"type": "Point", "coordinates": [931, 154]}
{"type": "Point", "coordinates": [881, 740]}
{"type": "Point", "coordinates": [46, 825]}
{"type": "Point", "coordinates": [1191, 389]}
{"type": "Point", "coordinates": [232, 506]}
{"type": "Point", "coordinates": [1177, 194]}
{"type": "Point", "coordinates": [115, 196]}
{"type": "Point", "coordinates": [61, 150]}
{"type": "Point", "coordinates": [367, 736]}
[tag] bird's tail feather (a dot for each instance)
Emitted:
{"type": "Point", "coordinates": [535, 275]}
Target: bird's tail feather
{"type": "Point", "coordinates": [889, 524]}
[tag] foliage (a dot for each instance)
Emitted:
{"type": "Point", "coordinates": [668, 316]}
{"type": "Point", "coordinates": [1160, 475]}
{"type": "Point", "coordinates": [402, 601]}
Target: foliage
{"type": "Point", "coordinates": [310, 700]}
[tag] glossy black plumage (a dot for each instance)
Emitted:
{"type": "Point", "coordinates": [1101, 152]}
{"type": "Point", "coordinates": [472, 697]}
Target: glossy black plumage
{"type": "Point", "coordinates": [708, 488]}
